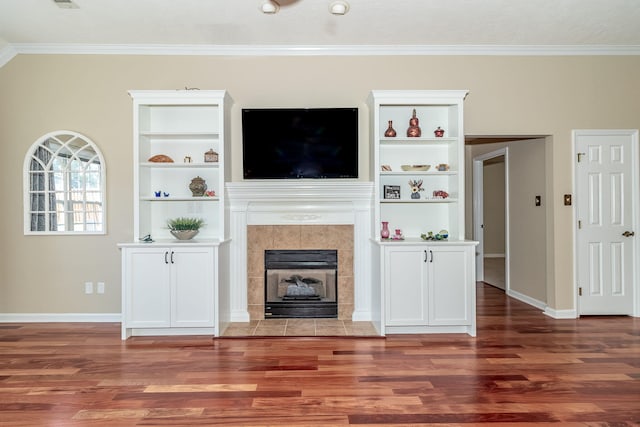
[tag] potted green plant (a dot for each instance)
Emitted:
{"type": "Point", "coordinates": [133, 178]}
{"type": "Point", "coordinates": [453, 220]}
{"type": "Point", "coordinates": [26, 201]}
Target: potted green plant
{"type": "Point", "coordinates": [184, 228]}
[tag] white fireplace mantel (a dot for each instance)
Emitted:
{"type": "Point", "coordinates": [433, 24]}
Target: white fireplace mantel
{"type": "Point", "coordinates": [300, 202]}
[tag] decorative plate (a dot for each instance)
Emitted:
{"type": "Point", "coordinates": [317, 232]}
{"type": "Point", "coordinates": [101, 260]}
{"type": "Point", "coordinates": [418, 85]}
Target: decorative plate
{"type": "Point", "coordinates": [161, 158]}
{"type": "Point", "coordinates": [416, 168]}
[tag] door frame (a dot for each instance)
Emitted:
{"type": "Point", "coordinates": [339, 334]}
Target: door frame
{"type": "Point", "coordinates": [478, 206]}
{"type": "Point", "coordinates": [635, 209]}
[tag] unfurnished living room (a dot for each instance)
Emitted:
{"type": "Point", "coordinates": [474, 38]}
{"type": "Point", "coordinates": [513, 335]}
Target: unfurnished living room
{"type": "Point", "coordinates": [320, 213]}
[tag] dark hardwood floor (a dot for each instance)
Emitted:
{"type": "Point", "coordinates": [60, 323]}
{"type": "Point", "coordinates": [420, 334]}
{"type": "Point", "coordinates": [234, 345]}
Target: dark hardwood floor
{"type": "Point", "coordinates": [522, 369]}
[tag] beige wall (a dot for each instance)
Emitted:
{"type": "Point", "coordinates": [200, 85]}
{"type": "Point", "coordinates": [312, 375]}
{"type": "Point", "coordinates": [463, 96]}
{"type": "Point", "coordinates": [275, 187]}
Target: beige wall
{"type": "Point", "coordinates": [527, 222]}
{"type": "Point", "coordinates": [87, 94]}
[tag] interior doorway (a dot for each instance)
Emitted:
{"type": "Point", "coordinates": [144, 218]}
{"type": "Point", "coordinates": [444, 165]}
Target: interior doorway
{"type": "Point", "coordinates": [491, 217]}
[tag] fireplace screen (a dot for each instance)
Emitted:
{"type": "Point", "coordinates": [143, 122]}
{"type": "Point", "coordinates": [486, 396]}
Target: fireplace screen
{"type": "Point", "coordinates": [301, 283]}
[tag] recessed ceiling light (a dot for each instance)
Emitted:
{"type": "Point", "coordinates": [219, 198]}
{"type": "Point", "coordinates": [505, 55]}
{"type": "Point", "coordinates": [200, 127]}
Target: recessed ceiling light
{"type": "Point", "coordinates": [270, 7]}
{"type": "Point", "coordinates": [339, 7]}
{"type": "Point", "coordinates": [66, 4]}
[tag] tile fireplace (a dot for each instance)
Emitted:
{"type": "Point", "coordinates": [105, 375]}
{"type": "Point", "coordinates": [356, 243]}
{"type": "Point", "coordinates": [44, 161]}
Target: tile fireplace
{"type": "Point", "coordinates": [293, 215]}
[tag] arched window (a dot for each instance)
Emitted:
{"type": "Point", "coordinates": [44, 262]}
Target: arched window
{"type": "Point", "coordinates": [64, 186]}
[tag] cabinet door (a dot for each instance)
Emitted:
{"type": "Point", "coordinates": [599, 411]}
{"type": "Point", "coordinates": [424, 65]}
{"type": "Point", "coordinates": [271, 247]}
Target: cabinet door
{"type": "Point", "coordinates": [405, 286]}
{"type": "Point", "coordinates": [147, 287]}
{"type": "Point", "coordinates": [192, 271]}
{"type": "Point", "coordinates": [450, 285]}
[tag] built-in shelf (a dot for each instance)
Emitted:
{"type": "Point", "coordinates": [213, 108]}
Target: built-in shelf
{"type": "Point", "coordinates": [170, 165]}
{"type": "Point", "coordinates": [181, 199]}
{"type": "Point", "coordinates": [181, 135]}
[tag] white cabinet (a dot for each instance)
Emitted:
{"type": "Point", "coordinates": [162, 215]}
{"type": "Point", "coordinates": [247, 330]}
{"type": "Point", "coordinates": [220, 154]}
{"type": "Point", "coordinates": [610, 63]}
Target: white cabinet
{"type": "Point", "coordinates": [168, 289]}
{"type": "Point", "coordinates": [405, 279]}
{"type": "Point", "coordinates": [173, 287]}
{"type": "Point", "coordinates": [425, 285]}
{"type": "Point", "coordinates": [428, 287]}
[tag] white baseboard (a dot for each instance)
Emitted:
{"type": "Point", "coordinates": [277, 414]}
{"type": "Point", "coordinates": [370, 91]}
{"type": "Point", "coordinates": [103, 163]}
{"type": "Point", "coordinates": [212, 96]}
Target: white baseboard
{"type": "Point", "coordinates": [361, 316]}
{"type": "Point", "coordinates": [494, 255]}
{"type": "Point", "coordinates": [548, 311]}
{"type": "Point", "coordinates": [527, 299]}
{"type": "Point", "coordinates": [59, 317]}
{"type": "Point", "coordinates": [560, 314]}
{"type": "Point", "coordinates": [241, 316]}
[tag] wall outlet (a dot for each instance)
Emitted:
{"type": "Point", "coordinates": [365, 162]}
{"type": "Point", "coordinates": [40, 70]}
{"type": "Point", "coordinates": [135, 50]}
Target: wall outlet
{"type": "Point", "coordinates": [88, 287]}
{"type": "Point", "coordinates": [100, 289]}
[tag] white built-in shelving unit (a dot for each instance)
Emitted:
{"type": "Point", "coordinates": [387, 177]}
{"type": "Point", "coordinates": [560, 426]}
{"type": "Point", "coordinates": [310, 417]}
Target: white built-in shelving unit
{"type": "Point", "coordinates": [172, 286]}
{"type": "Point", "coordinates": [425, 285]}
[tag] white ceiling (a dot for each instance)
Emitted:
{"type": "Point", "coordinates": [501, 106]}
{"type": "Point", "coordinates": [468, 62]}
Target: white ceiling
{"type": "Point", "coordinates": [441, 26]}
{"type": "Point", "coordinates": [534, 23]}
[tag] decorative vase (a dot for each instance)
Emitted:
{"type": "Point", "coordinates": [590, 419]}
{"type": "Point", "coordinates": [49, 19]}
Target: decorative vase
{"type": "Point", "coordinates": [439, 133]}
{"type": "Point", "coordinates": [384, 233]}
{"type": "Point", "coordinates": [390, 132]}
{"type": "Point", "coordinates": [414, 126]}
{"type": "Point", "coordinates": [415, 195]}
{"type": "Point", "coordinates": [198, 186]}
{"type": "Point", "coordinates": [184, 234]}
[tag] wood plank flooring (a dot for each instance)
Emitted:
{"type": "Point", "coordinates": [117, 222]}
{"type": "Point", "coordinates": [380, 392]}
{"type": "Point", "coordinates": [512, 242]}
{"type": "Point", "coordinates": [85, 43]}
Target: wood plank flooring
{"type": "Point", "coordinates": [522, 369]}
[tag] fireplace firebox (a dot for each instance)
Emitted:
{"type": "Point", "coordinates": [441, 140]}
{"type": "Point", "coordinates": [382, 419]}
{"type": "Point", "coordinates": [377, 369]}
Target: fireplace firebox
{"type": "Point", "coordinates": [301, 283]}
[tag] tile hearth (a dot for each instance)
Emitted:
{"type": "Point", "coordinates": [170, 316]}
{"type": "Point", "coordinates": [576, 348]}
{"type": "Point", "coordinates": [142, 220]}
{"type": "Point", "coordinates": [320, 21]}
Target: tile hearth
{"type": "Point", "coordinates": [300, 328]}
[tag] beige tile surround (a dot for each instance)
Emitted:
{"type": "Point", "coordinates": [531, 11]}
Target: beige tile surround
{"type": "Point", "coordinates": [263, 237]}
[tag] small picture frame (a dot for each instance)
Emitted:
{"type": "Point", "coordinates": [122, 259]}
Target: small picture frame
{"type": "Point", "coordinates": [391, 191]}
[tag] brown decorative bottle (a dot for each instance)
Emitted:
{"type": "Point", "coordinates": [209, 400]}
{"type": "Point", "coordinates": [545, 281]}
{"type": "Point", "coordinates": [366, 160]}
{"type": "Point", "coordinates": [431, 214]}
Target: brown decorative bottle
{"type": "Point", "coordinates": [390, 132]}
{"type": "Point", "coordinates": [414, 128]}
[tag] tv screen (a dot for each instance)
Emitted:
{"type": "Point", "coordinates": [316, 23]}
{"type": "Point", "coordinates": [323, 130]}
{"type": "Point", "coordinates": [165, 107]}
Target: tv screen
{"type": "Point", "coordinates": [294, 143]}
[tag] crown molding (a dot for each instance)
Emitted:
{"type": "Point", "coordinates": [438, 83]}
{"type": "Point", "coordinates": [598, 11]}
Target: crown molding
{"type": "Point", "coordinates": [318, 50]}
{"type": "Point", "coordinates": [6, 54]}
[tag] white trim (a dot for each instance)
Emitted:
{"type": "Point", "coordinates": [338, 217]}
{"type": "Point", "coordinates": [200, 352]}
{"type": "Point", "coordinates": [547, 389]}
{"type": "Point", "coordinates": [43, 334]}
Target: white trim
{"type": "Point", "coordinates": [527, 299]}
{"type": "Point", "coordinates": [319, 50]}
{"type": "Point", "coordinates": [6, 54]}
{"type": "Point", "coordinates": [155, 332]}
{"type": "Point", "coordinates": [477, 214]}
{"type": "Point", "coordinates": [59, 317]}
{"type": "Point", "coordinates": [302, 202]}
{"type": "Point", "coordinates": [560, 314]}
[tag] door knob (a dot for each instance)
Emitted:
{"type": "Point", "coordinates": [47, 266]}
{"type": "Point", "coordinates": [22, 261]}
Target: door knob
{"type": "Point", "coordinates": [628, 233]}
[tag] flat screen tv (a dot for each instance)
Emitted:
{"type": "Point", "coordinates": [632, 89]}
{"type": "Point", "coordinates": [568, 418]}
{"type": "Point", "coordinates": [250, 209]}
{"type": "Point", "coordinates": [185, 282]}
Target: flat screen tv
{"type": "Point", "coordinates": [297, 143]}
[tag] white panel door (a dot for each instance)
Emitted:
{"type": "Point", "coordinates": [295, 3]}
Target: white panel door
{"type": "Point", "coordinates": [405, 286]}
{"type": "Point", "coordinates": [192, 296]}
{"type": "Point", "coordinates": [605, 235]}
{"type": "Point", "coordinates": [147, 286]}
{"type": "Point", "coordinates": [449, 280]}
